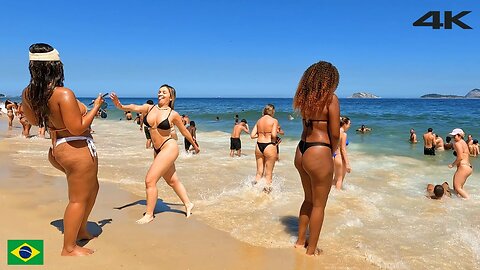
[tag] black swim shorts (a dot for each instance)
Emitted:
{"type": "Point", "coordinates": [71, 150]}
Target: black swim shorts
{"type": "Point", "coordinates": [429, 151]}
{"type": "Point", "coordinates": [235, 144]}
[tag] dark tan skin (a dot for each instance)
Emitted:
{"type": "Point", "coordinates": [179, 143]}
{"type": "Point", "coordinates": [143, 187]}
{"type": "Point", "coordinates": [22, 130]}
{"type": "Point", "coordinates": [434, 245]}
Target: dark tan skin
{"type": "Point", "coordinates": [315, 167]}
{"type": "Point", "coordinates": [74, 159]}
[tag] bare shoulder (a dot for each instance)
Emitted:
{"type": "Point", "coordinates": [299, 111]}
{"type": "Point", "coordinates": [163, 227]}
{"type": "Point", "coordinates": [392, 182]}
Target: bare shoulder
{"type": "Point", "coordinates": [63, 93]}
{"type": "Point", "coordinates": [175, 114]}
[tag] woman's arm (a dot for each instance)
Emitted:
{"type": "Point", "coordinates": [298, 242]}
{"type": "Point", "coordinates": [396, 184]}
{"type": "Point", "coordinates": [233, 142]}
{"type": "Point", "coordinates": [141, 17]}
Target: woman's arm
{"type": "Point", "coordinates": [274, 130]}
{"type": "Point", "coordinates": [177, 121]}
{"type": "Point", "coordinates": [131, 107]}
{"type": "Point", "coordinates": [71, 115]}
{"type": "Point", "coordinates": [343, 151]}
{"type": "Point", "coordinates": [254, 133]}
{"type": "Point", "coordinates": [334, 122]}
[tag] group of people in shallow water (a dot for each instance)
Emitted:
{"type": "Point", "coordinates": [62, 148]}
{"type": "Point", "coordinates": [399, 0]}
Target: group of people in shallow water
{"type": "Point", "coordinates": [321, 151]}
{"type": "Point", "coordinates": [463, 150]}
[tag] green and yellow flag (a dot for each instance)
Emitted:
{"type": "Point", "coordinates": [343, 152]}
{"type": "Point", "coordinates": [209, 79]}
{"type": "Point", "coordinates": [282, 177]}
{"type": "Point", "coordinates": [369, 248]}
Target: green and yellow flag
{"type": "Point", "coordinates": [25, 252]}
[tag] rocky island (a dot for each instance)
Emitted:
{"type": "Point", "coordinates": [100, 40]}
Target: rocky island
{"type": "Point", "coordinates": [475, 93]}
{"type": "Point", "coordinates": [363, 95]}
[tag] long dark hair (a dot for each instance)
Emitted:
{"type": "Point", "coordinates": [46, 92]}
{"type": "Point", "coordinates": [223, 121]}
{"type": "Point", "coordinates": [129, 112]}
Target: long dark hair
{"type": "Point", "coordinates": [44, 77]}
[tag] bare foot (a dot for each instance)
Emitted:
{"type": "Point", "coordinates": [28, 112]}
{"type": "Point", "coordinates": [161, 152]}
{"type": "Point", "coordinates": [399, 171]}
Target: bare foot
{"type": "Point", "coordinates": [188, 209]}
{"type": "Point", "coordinates": [316, 253]}
{"type": "Point", "coordinates": [145, 219]}
{"type": "Point", "coordinates": [77, 251]}
{"type": "Point", "coordinates": [300, 245]}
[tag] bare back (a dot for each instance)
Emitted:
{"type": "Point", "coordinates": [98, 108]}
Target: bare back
{"type": "Point", "coordinates": [429, 140]}
{"type": "Point", "coordinates": [324, 126]}
{"type": "Point", "coordinates": [64, 107]}
{"type": "Point", "coordinates": [237, 130]}
{"type": "Point", "coordinates": [267, 128]}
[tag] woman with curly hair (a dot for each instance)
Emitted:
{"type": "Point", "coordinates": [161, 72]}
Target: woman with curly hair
{"type": "Point", "coordinates": [46, 101]}
{"type": "Point", "coordinates": [316, 102]}
{"type": "Point", "coordinates": [160, 119]}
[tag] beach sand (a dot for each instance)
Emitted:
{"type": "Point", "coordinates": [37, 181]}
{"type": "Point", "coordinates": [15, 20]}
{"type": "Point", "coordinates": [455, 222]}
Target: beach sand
{"type": "Point", "coordinates": [32, 207]}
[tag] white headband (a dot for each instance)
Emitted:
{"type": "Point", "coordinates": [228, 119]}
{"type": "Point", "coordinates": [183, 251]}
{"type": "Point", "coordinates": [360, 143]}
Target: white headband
{"type": "Point", "coordinates": [48, 56]}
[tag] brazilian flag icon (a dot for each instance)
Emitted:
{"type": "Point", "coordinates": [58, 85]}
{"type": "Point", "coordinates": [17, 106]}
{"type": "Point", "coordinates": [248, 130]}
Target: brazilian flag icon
{"type": "Point", "coordinates": [25, 252]}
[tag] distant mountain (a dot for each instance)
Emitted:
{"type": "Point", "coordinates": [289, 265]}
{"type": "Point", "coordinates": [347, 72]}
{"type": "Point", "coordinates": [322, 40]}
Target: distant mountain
{"type": "Point", "coordinates": [363, 95]}
{"type": "Point", "coordinates": [475, 93]}
{"type": "Point", "coordinates": [2, 95]}
{"type": "Point", "coordinates": [440, 96]}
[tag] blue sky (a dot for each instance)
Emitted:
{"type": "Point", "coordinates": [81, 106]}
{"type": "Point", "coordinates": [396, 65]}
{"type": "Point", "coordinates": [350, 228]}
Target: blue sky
{"type": "Point", "coordinates": [242, 48]}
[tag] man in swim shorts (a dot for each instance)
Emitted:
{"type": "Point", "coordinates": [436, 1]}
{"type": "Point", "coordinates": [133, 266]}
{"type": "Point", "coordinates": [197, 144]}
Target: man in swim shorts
{"type": "Point", "coordinates": [429, 143]}
{"type": "Point", "coordinates": [235, 143]}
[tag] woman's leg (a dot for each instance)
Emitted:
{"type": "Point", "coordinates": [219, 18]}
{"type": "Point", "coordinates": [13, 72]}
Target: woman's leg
{"type": "Point", "coordinates": [83, 233]}
{"type": "Point", "coordinates": [172, 180]}
{"type": "Point", "coordinates": [270, 154]}
{"type": "Point", "coordinates": [10, 119]}
{"type": "Point", "coordinates": [338, 169]}
{"type": "Point", "coordinates": [161, 164]}
{"type": "Point", "coordinates": [306, 208]}
{"type": "Point", "coordinates": [81, 172]}
{"type": "Point", "coordinates": [459, 179]}
{"type": "Point", "coordinates": [260, 164]}
{"type": "Point", "coordinates": [318, 163]}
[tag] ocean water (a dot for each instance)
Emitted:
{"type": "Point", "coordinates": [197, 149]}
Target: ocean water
{"type": "Point", "coordinates": [381, 217]}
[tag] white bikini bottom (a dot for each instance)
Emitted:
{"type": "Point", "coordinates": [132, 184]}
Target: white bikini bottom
{"type": "Point", "coordinates": [90, 144]}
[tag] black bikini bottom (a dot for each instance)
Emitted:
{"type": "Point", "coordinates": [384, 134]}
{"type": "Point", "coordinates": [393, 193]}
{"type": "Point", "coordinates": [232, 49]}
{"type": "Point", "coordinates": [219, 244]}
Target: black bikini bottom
{"type": "Point", "coordinates": [303, 146]}
{"type": "Point", "coordinates": [262, 146]}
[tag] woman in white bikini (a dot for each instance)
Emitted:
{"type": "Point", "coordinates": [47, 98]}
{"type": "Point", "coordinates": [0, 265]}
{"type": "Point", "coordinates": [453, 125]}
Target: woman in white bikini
{"type": "Point", "coordinates": [160, 119]}
{"type": "Point", "coordinates": [46, 101]}
{"type": "Point", "coordinates": [464, 168]}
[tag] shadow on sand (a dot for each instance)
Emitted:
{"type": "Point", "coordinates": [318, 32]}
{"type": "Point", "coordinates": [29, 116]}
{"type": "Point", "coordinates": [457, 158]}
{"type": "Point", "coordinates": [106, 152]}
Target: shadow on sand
{"type": "Point", "coordinates": [160, 207]}
{"type": "Point", "coordinates": [291, 224]}
{"type": "Point", "coordinates": [95, 228]}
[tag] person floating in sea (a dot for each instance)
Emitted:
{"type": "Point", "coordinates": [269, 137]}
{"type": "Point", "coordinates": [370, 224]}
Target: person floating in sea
{"type": "Point", "coordinates": [363, 129]}
{"type": "Point", "coordinates": [316, 102]}
{"type": "Point", "coordinates": [462, 161]}
{"type": "Point", "coordinates": [429, 143]}
{"type": "Point", "coordinates": [235, 142]}
{"type": "Point", "coordinates": [438, 192]}
{"type": "Point", "coordinates": [265, 131]}
{"type": "Point", "coordinates": [160, 118]}
{"type": "Point", "coordinates": [45, 100]}
{"type": "Point", "coordinates": [413, 136]}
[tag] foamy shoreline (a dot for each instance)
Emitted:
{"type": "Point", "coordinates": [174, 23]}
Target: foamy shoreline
{"type": "Point", "coordinates": [32, 201]}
